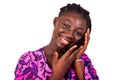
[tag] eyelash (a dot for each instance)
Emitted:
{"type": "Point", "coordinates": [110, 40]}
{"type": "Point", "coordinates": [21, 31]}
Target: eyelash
{"type": "Point", "coordinates": [78, 33]}
{"type": "Point", "coordinates": [66, 26]}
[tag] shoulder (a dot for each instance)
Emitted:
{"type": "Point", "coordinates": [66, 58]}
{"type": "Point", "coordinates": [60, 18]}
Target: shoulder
{"type": "Point", "coordinates": [86, 59]}
{"type": "Point", "coordinates": [30, 55]}
{"type": "Point", "coordinates": [90, 71]}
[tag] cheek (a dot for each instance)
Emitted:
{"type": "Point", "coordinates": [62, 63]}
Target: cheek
{"type": "Point", "coordinates": [59, 30]}
{"type": "Point", "coordinates": [56, 32]}
{"type": "Point", "coordinates": [78, 38]}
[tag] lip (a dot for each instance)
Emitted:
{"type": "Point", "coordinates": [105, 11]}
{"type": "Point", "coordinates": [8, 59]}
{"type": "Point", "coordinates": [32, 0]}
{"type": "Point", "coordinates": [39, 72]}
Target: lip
{"type": "Point", "coordinates": [64, 41]}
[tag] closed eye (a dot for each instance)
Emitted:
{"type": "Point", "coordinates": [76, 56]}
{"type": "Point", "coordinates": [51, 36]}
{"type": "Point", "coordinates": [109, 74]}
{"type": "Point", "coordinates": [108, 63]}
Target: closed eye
{"type": "Point", "coordinates": [78, 33]}
{"type": "Point", "coordinates": [66, 26]}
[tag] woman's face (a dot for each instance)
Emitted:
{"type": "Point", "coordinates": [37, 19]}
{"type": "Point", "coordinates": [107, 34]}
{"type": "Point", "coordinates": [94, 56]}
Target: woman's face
{"type": "Point", "coordinates": [68, 28]}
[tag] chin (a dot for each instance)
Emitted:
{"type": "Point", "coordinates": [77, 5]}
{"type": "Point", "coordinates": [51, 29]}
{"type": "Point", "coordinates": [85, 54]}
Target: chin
{"type": "Point", "coordinates": [60, 46]}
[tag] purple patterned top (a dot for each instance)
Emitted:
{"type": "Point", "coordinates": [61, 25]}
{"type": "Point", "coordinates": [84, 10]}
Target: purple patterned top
{"type": "Point", "coordinates": [33, 66]}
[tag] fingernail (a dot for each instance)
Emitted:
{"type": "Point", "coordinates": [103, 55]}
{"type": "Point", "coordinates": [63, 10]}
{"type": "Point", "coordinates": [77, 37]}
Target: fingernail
{"type": "Point", "coordinates": [88, 30]}
{"type": "Point", "coordinates": [55, 52]}
{"type": "Point", "coordinates": [75, 46]}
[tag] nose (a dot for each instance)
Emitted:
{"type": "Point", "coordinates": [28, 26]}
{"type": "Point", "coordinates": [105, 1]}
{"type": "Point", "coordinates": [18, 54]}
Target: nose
{"type": "Point", "coordinates": [70, 35]}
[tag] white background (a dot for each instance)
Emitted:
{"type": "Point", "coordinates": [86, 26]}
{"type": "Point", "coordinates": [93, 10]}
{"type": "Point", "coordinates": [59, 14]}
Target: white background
{"type": "Point", "coordinates": [27, 25]}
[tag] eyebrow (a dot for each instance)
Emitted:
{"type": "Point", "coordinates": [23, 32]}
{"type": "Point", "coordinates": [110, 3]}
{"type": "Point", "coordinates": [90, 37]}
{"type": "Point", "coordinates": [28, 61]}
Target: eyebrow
{"type": "Point", "coordinates": [68, 20]}
{"type": "Point", "coordinates": [81, 29]}
{"type": "Point", "coordinates": [71, 22]}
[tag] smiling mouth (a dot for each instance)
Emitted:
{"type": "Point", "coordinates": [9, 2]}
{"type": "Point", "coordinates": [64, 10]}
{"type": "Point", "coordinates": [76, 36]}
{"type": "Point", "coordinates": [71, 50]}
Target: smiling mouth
{"type": "Point", "coordinates": [64, 41]}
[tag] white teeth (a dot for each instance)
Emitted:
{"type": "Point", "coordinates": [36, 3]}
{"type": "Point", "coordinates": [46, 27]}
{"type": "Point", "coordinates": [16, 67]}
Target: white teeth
{"type": "Point", "coordinates": [64, 41]}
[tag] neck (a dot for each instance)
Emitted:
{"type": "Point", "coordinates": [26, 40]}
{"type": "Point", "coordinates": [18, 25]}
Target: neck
{"type": "Point", "coordinates": [49, 52]}
{"type": "Point", "coordinates": [51, 48]}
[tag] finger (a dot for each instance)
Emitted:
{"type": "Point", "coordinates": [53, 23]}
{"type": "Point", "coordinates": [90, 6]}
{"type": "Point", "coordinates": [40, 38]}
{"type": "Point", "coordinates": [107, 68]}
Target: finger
{"type": "Point", "coordinates": [73, 55]}
{"type": "Point", "coordinates": [88, 30]}
{"type": "Point", "coordinates": [69, 51]}
{"type": "Point", "coordinates": [88, 33]}
{"type": "Point", "coordinates": [87, 37]}
{"type": "Point", "coordinates": [81, 48]}
{"type": "Point", "coordinates": [55, 59]}
{"type": "Point", "coordinates": [81, 51]}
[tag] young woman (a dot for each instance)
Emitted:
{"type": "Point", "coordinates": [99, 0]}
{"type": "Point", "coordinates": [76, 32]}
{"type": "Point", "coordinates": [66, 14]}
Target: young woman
{"type": "Point", "coordinates": [63, 58]}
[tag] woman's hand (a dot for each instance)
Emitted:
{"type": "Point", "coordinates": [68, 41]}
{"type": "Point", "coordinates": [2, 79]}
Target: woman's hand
{"type": "Point", "coordinates": [84, 47]}
{"type": "Point", "coordinates": [79, 66]}
{"type": "Point", "coordinates": [61, 65]}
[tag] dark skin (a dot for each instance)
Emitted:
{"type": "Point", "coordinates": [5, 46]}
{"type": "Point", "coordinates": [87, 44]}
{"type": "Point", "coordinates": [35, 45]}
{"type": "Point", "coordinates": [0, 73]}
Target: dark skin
{"type": "Point", "coordinates": [68, 28]}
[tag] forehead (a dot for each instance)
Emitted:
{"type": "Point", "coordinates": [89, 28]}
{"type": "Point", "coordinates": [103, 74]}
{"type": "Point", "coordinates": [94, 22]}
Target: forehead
{"type": "Point", "coordinates": [73, 18]}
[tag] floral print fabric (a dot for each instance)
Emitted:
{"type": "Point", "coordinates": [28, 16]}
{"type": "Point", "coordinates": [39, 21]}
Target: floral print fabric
{"type": "Point", "coordinates": [32, 65]}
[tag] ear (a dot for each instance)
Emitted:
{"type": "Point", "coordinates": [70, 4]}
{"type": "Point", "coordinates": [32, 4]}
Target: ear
{"type": "Point", "coordinates": [55, 21]}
